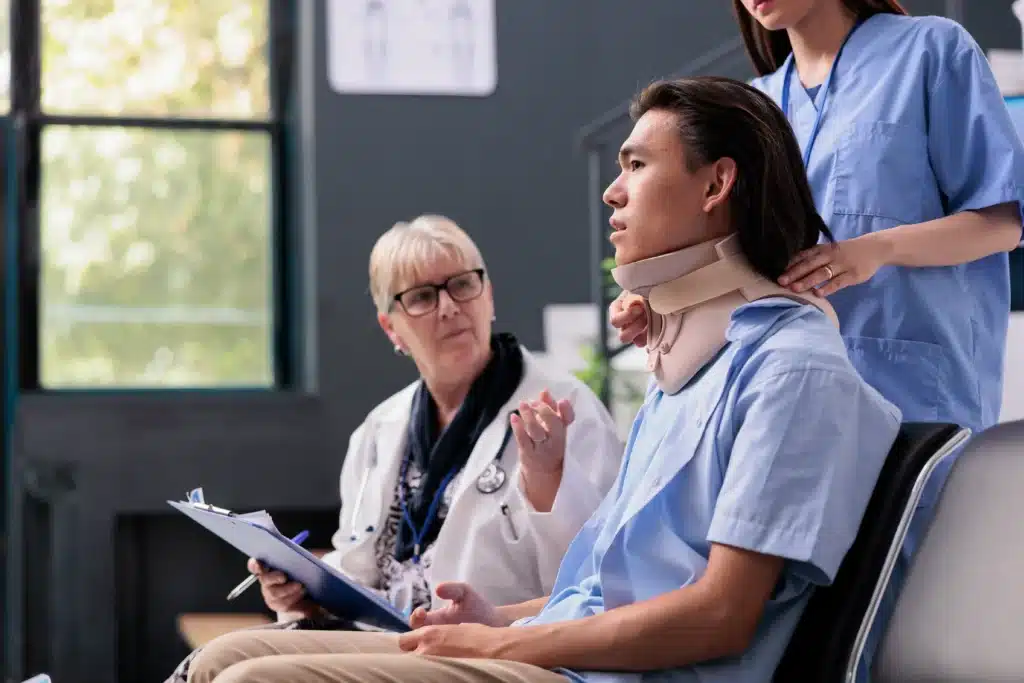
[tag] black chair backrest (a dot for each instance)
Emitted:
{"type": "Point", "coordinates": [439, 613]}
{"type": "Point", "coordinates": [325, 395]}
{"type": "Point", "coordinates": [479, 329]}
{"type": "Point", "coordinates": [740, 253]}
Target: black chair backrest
{"type": "Point", "coordinates": [824, 639]}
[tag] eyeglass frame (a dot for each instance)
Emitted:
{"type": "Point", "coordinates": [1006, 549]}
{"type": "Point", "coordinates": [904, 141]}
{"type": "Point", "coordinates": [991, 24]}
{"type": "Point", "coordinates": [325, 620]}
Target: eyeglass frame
{"type": "Point", "coordinates": [397, 298]}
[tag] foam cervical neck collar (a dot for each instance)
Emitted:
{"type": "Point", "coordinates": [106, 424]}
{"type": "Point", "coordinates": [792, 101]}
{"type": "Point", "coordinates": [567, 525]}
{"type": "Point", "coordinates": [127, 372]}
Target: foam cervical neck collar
{"type": "Point", "coordinates": [690, 297]}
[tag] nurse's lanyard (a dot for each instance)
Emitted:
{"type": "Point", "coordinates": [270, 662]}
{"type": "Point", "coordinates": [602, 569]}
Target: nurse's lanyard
{"type": "Point", "coordinates": [824, 89]}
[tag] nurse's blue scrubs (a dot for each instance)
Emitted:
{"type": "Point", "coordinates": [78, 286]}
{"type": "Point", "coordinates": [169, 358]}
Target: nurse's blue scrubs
{"type": "Point", "coordinates": [913, 128]}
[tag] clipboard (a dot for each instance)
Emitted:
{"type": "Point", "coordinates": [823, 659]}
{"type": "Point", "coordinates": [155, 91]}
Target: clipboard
{"type": "Point", "coordinates": [324, 584]}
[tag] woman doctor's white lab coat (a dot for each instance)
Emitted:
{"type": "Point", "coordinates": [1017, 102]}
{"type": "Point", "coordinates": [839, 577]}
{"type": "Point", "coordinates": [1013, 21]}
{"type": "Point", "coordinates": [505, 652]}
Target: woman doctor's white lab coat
{"type": "Point", "coordinates": [508, 556]}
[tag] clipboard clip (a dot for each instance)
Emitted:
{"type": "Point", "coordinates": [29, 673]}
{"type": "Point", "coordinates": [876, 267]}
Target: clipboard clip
{"type": "Point", "coordinates": [196, 499]}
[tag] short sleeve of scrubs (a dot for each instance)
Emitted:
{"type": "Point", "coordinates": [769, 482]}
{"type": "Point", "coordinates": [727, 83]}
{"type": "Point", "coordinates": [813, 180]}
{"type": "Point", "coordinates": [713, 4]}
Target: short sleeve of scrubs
{"type": "Point", "coordinates": [975, 150]}
{"type": "Point", "coordinates": [808, 446]}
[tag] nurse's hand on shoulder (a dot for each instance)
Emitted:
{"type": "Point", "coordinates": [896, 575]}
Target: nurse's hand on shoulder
{"type": "Point", "coordinates": [628, 315]}
{"type": "Point", "coordinates": [831, 267]}
{"type": "Point", "coordinates": [287, 598]}
{"type": "Point", "coordinates": [466, 607]}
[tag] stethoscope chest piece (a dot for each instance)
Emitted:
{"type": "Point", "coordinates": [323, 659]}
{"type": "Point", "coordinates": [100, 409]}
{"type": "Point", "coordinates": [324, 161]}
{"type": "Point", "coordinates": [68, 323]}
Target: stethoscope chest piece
{"type": "Point", "coordinates": [492, 478]}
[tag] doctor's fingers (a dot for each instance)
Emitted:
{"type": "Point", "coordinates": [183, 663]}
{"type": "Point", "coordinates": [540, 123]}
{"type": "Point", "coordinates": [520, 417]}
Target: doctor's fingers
{"type": "Point", "coordinates": [281, 598]}
{"type": "Point", "coordinates": [533, 427]}
{"type": "Point", "coordinates": [563, 407]}
{"type": "Point", "coordinates": [552, 421]}
{"type": "Point", "coordinates": [566, 411]}
{"type": "Point", "coordinates": [523, 441]}
{"type": "Point", "coordinates": [272, 578]}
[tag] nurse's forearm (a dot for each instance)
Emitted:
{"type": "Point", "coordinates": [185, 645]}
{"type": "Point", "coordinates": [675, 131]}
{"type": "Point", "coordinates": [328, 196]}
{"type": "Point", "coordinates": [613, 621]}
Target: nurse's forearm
{"type": "Point", "coordinates": [961, 238]}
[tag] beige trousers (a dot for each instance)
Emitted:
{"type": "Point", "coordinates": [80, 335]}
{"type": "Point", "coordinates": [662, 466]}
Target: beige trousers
{"type": "Point", "coordinates": [267, 656]}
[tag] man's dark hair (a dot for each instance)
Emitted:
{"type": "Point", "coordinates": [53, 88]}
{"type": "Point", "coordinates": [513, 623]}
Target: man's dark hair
{"type": "Point", "coordinates": [771, 202]}
{"type": "Point", "coordinates": [769, 49]}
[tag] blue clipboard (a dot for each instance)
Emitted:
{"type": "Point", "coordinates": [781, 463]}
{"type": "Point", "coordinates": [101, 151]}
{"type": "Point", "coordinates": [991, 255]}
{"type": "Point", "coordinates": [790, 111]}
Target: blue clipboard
{"type": "Point", "coordinates": [324, 584]}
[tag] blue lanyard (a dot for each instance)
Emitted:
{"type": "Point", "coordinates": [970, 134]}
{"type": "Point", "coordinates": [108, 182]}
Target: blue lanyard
{"type": "Point", "coordinates": [418, 534]}
{"type": "Point", "coordinates": [790, 65]}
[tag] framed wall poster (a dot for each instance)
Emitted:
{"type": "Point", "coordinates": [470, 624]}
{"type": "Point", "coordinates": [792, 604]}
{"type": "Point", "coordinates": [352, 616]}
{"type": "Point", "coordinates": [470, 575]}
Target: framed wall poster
{"type": "Point", "coordinates": [412, 47]}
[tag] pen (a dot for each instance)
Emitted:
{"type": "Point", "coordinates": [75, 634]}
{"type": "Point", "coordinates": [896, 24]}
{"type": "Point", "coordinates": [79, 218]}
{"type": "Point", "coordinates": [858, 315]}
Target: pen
{"type": "Point", "coordinates": [244, 586]}
{"type": "Point", "coordinates": [512, 527]}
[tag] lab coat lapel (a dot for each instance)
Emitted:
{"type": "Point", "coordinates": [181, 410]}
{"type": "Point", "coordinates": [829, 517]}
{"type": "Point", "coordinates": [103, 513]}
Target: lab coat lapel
{"type": "Point", "coordinates": [382, 453]}
{"type": "Point", "coordinates": [388, 440]}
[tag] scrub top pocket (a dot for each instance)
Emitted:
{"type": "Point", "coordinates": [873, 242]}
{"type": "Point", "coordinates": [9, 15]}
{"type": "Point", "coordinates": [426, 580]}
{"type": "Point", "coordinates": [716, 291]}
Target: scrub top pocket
{"type": "Point", "coordinates": [914, 375]}
{"type": "Point", "coordinates": [881, 171]}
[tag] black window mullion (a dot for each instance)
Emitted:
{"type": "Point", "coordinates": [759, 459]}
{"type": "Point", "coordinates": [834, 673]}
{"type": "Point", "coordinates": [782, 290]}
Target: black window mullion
{"type": "Point", "coordinates": [155, 123]}
{"type": "Point", "coordinates": [26, 71]}
{"type": "Point", "coordinates": [280, 57]}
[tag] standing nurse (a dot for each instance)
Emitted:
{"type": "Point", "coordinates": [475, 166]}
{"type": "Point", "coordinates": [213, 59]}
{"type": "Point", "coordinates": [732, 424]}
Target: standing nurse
{"type": "Point", "coordinates": [919, 172]}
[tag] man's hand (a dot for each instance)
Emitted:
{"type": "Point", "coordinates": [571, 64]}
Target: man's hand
{"type": "Point", "coordinates": [471, 641]}
{"type": "Point", "coordinates": [628, 314]}
{"type": "Point", "coordinates": [467, 607]}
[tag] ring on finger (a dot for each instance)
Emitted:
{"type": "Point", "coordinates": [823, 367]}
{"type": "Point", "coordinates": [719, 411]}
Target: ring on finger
{"type": "Point", "coordinates": [828, 272]}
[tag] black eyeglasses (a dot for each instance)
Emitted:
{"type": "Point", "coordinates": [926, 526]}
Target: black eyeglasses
{"type": "Point", "coordinates": [423, 299]}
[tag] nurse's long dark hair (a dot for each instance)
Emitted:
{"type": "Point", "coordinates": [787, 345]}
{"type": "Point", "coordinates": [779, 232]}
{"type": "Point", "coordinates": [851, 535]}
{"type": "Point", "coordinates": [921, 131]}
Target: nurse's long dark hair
{"type": "Point", "coordinates": [769, 49]}
{"type": "Point", "coordinates": [770, 203]}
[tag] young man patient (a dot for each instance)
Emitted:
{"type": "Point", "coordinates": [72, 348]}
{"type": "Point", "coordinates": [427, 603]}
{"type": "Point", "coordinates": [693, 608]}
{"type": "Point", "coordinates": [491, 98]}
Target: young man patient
{"type": "Point", "coordinates": [748, 467]}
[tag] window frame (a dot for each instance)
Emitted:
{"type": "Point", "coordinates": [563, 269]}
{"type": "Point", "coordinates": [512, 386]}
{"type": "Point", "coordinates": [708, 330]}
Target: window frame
{"type": "Point", "coordinates": [27, 122]}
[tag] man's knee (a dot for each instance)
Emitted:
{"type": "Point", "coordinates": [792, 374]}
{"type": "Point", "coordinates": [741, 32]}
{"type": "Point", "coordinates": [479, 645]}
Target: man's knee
{"type": "Point", "coordinates": [221, 653]}
{"type": "Point", "coordinates": [261, 670]}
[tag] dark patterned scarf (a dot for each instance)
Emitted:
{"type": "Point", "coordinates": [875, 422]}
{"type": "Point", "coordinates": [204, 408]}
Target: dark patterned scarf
{"type": "Point", "coordinates": [441, 454]}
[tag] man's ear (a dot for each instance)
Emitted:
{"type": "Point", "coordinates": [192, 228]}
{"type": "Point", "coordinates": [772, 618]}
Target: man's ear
{"type": "Point", "coordinates": [722, 177]}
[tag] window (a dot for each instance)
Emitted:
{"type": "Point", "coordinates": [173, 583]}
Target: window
{"type": "Point", "coordinates": [150, 216]}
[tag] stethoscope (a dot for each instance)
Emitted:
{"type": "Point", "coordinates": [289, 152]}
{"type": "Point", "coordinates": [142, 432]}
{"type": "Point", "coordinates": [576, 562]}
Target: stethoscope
{"type": "Point", "coordinates": [790, 66]}
{"type": "Point", "coordinates": [491, 480]}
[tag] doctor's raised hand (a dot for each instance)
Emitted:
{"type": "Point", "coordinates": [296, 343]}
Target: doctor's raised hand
{"type": "Point", "coordinates": [540, 430]}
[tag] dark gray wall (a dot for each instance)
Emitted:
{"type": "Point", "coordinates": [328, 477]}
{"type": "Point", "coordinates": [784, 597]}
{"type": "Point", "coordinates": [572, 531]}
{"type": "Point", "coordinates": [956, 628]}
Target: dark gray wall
{"type": "Point", "coordinates": [99, 569]}
{"type": "Point", "coordinates": [505, 167]}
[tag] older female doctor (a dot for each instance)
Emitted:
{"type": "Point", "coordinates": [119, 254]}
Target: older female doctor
{"type": "Point", "coordinates": [748, 467]}
{"type": "Point", "coordinates": [465, 475]}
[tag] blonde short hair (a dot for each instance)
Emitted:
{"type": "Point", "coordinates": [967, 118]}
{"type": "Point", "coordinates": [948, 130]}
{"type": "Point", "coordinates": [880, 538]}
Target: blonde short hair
{"type": "Point", "coordinates": [403, 252]}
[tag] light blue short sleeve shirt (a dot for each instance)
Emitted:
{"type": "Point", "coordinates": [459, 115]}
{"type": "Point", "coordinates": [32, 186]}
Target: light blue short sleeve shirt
{"type": "Point", "coordinates": [775, 447]}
